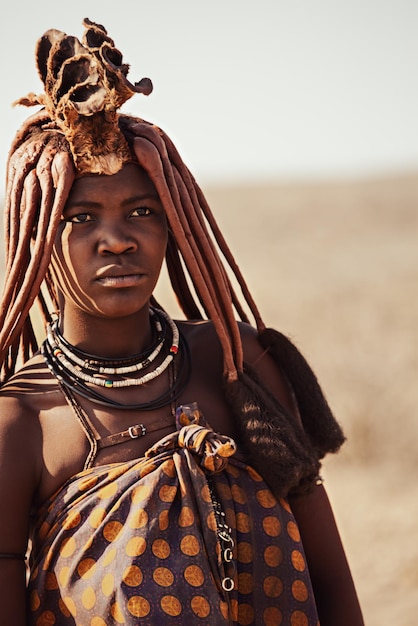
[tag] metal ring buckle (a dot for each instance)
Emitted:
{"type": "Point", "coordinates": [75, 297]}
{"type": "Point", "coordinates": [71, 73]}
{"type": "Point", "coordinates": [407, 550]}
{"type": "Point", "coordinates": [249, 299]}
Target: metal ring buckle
{"type": "Point", "coordinates": [228, 584]}
{"type": "Point", "coordinates": [228, 555]}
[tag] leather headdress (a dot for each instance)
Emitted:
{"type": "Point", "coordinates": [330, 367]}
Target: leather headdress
{"type": "Point", "coordinates": [85, 85]}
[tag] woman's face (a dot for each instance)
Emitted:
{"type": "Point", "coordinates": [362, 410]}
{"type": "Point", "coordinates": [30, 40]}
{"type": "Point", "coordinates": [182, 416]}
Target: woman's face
{"type": "Point", "coordinates": [110, 245]}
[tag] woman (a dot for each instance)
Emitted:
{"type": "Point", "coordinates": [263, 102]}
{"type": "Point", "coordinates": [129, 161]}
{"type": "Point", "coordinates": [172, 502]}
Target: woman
{"type": "Point", "coordinates": [163, 472]}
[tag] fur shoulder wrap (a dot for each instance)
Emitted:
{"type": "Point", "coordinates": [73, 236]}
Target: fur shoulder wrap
{"type": "Point", "coordinates": [286, 454]}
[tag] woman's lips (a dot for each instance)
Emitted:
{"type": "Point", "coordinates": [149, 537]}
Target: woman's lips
{"type": "Point", "coordinates": [125, 280]}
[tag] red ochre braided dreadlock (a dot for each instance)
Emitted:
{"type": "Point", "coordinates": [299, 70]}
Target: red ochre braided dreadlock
{"type": "Point", "coordinates": [42, 165]}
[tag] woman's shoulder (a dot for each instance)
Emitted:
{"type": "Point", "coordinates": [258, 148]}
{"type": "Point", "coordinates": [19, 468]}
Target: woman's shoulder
{"type": "Point", "coordinates": [27, 392]}
{"type": "Point", "coordinates": [203, 339]}
{"type": "Point", "coordinates": [201, 334]}
{"type": "Point", "coordinates": [205, 330]}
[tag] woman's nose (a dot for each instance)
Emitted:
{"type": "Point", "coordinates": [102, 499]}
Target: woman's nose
{"type": "Point", "coordinates": [116, 239]}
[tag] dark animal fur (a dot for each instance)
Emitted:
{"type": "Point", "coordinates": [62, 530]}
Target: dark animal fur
{"type": "Point", "coordinates": [286, 455]}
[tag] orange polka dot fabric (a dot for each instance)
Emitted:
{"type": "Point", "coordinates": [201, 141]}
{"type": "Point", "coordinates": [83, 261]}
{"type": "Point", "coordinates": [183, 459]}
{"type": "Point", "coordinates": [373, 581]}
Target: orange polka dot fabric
{"type": "Point", "coordinates": [138, 543]}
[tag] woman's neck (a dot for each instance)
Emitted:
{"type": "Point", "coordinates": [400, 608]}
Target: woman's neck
{"type": "Point", "coordinates": [108, 338]}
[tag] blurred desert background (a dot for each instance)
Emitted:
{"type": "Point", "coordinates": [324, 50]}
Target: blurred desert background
{"type": "Point", "coordinates": [335, 266]}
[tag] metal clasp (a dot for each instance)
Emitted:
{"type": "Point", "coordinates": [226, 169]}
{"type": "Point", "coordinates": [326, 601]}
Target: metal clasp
{"type": "Point", "coordinates": [133, 432]}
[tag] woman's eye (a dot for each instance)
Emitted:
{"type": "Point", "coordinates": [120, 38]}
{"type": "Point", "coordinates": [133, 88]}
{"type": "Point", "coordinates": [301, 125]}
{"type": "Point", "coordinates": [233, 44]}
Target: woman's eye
{"type": "Point", "coordinates": [141, 211]}
{"type": "Point", "coordinates": [80, 218]}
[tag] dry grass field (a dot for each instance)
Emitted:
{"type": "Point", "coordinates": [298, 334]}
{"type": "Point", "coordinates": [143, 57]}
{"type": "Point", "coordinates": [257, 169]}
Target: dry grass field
{"type": "Point", "coordinates": [335, 266]}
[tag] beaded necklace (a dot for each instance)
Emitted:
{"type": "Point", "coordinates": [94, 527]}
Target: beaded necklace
{"type": "Point", "coordinates": [64, 352]}
{"type": "Point", "coordinates": [70, 376]}
{"type": "Point", "coordinates": [110, 366]}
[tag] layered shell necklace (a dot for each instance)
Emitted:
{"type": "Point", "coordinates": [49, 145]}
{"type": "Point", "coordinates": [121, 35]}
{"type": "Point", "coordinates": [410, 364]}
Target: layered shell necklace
{"type": "Point", "coordinates": [82, 371]}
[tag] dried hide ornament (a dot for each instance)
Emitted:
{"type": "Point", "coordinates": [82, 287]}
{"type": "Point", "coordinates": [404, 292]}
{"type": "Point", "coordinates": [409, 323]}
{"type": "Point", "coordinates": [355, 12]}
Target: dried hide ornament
{"type": "Point", "coordinates": [85, 85]}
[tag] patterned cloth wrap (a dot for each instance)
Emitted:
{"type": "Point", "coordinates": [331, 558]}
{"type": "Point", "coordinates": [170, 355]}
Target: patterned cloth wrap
{"type": "Point", "coordinates": [138, 542]}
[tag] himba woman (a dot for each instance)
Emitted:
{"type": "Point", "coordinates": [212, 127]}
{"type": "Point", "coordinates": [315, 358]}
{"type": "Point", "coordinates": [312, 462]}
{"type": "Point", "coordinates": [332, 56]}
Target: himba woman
{"type": "Point", "coordinates": [151, 472]}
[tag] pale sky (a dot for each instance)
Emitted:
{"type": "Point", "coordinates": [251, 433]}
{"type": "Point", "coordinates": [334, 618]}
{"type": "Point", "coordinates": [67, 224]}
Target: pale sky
{"type": "Point", "coordinates": [269, 89]}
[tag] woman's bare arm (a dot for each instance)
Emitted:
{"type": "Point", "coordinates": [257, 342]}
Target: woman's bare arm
{"type": "Point", "coordinates": [19, 439]}
{"type": "Point", "coordinates": [13, 592]}
{"type": "Point", "coordinates": [332, 582]}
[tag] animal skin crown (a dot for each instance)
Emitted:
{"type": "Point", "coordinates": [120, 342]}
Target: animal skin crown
{"type": "Point", "coordinates": [85, 85]}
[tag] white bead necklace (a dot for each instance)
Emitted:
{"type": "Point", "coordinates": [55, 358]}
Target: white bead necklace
{"type": "Point", "coordinates": [76, 370]}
